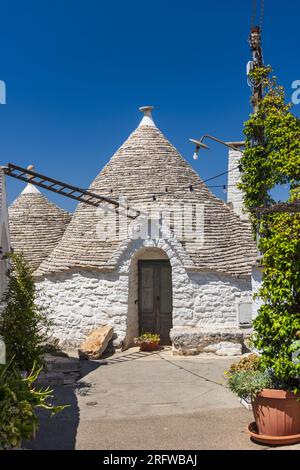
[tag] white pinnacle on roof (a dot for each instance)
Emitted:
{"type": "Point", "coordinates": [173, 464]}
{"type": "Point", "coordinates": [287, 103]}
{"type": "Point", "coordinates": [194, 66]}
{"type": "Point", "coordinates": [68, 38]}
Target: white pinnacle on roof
{"type": "Point", "coordinates": [147, 119]}
{"type": "Point", "coordinates": [30, 189]}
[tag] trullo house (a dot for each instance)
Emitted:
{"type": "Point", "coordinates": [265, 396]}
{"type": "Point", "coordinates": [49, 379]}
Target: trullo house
{"type": "Point", "coordinates": [36, 225]}
{"type": "Point", "coordinates": [182, 268]}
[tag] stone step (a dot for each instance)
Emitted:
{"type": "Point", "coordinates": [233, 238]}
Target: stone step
{"type": "Point", "coordinates": [59, 371]}
{"type": "Point", "coordinates": [62, 363]}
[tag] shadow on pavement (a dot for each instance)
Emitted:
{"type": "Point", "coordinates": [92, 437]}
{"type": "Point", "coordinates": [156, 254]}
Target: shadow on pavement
{"type": "Point", "coordinates": [59, 432]}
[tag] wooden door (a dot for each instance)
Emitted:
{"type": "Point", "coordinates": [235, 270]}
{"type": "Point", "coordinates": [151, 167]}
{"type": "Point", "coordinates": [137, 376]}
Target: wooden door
{"type": "Point", "coordinates": [155, 298]}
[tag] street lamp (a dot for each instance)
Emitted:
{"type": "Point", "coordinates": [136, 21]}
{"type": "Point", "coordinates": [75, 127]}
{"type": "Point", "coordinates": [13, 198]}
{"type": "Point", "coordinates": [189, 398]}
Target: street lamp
{"type": "Point", "coordinates": [199, 144]}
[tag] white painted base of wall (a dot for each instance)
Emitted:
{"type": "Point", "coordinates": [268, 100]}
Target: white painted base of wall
{"type": "Point", "coordinates": [220, 340]}
{"type": "Point", "coordinates": [79, 302]}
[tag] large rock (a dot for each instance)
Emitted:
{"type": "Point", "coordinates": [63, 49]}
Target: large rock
{"type": "Point", "coordinates": [96, 343]}
{"type": "Point", "coordinates": [222, 342]}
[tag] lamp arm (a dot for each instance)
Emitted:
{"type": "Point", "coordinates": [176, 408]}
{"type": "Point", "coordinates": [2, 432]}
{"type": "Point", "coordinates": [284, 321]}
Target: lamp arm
{"type": "Point", "coordinates": [207, 136]}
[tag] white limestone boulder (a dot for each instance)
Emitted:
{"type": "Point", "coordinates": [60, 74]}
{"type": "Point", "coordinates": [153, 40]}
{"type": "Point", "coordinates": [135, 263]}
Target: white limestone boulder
{"type": "Point", "coordinates": [192, 341]}
{"type": "Point", "coordinates": [224, 348]}
{"type": "Point", "coordinates": [96, 343]}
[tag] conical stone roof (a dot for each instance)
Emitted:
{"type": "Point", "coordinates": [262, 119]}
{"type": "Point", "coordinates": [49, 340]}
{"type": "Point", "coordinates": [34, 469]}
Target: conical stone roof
{"type": "Point", "coordinates": [148, 165]}
{"type": "Point", "coordinates": [36, 225]}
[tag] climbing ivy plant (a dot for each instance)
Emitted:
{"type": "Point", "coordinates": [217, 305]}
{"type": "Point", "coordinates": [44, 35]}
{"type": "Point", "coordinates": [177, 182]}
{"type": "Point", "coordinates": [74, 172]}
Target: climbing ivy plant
{"type": "Point", "coordinates": [272, 157]}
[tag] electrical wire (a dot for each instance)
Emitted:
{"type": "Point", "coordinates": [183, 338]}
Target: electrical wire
{"type": "Point", "coordinates": [222, 186]}
{"type": "Point", "coordinates": [254, 13]}
{"type": "Point", "coordinates": [204, 181]}
{"type": "Point", "coordinates": [254, 9]}
{"type": "Point", "coordinates": [262, 12]}
{"type": "Point", "coordinates": [221, 174]}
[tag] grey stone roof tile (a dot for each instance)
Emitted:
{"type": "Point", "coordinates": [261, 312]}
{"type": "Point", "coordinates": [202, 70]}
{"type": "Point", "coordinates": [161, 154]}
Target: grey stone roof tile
{"type": "Point", "coordinates": [36, 225]}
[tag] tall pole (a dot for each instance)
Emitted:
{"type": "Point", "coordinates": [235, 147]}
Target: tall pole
{"type": "Point", "coordinates": [257, 92]}
{"type": "Point", "coordinates": [257, 56]}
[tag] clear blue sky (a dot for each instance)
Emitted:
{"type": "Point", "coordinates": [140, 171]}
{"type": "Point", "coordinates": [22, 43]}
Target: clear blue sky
{"type": "Point", "coordinates": [76, 72]}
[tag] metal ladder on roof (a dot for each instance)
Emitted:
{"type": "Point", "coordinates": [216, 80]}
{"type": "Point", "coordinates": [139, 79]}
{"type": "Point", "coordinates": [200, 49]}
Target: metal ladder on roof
{"type": "Point", "coordinates": [65, 189]}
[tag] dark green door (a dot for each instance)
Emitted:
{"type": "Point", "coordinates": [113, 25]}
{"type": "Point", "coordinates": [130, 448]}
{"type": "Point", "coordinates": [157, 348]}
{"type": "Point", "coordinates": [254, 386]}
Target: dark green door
{"type": "Point", "coordinates": [155, 298]}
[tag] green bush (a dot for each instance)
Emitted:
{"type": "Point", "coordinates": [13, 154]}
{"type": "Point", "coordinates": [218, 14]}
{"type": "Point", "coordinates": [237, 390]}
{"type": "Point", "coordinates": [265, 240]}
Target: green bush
{"type": "Point", "coordinates": [23, 325]}
{"type": "Point", "coordinates": [278, 323]}
{"type": "Point", "coordinates": [272, 157]}
{"type": "Point", "coordinates": [19, 401]}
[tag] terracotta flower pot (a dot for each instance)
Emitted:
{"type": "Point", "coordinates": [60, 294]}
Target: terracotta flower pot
{"type": "Point", "coordinates": [277, 413]}
{"type": "Point", "coordinates": [149, 346]}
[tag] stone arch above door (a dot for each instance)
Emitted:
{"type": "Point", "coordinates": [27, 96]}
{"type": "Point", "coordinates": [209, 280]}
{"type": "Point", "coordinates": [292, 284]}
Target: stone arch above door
{"type": "Point", "coordinates": [127, 258]}
{"type": "Point", "coordinates": [173, 249]}
{"type": "Point", "coordinates": [143, 254]}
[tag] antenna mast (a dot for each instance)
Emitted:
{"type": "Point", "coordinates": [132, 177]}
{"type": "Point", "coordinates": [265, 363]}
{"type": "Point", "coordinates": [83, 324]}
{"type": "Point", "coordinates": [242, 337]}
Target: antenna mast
{"type": "Point", "coordinates": [257, 55]}
{"type": "Point", "coordinates": [256, 87]}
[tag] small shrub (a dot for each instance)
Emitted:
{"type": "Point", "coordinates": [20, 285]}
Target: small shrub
{"type": "Point", "coordinates": [18, 403]}
{"type": "Point", "coordinates": [23, 325]}
{"type": "Point", "coordinates": [248, 383]}
{"type": "Point", "coordinates": [250, 362]}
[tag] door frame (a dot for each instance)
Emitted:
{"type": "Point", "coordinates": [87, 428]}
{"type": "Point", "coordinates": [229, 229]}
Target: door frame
{"type": "Point", "coordinates": [152, 262]}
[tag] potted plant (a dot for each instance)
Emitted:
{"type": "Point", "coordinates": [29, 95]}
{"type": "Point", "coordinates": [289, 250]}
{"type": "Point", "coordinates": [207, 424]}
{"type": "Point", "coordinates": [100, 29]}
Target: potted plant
{"type": "Point", "coordinates": [272, 157]}
{"type": "Point", "coordinates": [275, 406]}
{"type": "Point", "coordinates": [148, 342]}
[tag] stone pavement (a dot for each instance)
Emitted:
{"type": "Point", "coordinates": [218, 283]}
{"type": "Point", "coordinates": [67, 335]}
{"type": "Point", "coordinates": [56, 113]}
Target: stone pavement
{"type": "Point", "coordinates": [139, 400]}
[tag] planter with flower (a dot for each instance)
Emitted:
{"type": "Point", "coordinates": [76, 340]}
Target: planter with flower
{"type": "Point", "coordinates": [148, 342]}
{"type": "Point", "coordinates": [273, 382]}
{"type": "Point", "coordinates": [275, 404]}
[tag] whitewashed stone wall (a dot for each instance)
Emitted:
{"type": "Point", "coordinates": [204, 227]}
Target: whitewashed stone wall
{"type": "Point", "coordinates": [234, 195]}
{"type": "Point", "coordinates": [214, 299]}
{"type": "Point", "coordinates": [256, 282]}
{"type": "Point", "coordinates": [78, 302]}
{"type": "Point", "coordinates": [4, 233]}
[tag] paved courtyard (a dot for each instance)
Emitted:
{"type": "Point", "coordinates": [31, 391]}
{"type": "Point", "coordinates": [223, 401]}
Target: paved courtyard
{"type": "Point", "coordinates": [136, 400]}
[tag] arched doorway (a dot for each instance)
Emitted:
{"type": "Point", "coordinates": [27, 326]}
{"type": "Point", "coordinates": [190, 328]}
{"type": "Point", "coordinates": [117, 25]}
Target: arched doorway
{"type": "Point", "coordinates": [155, 298]}
{"type": "Point", "coordinates": [150, 277]}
